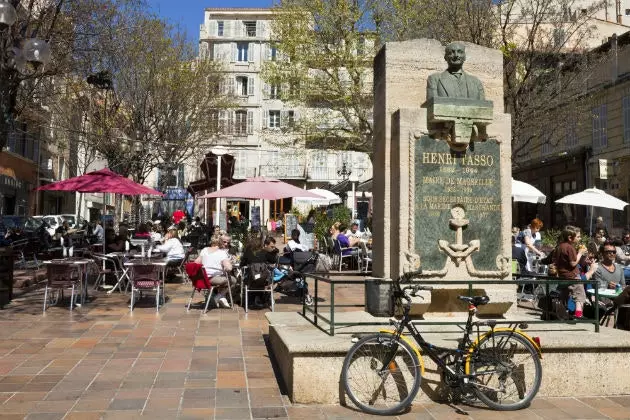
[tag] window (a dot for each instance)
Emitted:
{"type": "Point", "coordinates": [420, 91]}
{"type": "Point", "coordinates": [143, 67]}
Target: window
{"type": "Point", "coordinates": [273, 53]}
{"type": "Point", "coordinates": [220, 28]}
{"type": "Point", "coordinates": [171, 176]}
{"type": "Point", "coordinates": [626, 119]}
{"type": "Point", "coordinates": [571, 138]}
{"type": "Point", "coordinates": [600, 126]}
{"type": "Point", "coordinates": [559, 37]}
{"type": "Point", "coordinates": [241, 86]}
{"type": "Point", "coordinates": [274, 119]}
{"type": "Point", "coordinates": [213, 118]}
{"type": "Point", "coordinates": [361, 46]}
{"type": "Point", "coordinates": [274, 92]}
{"type": "Point", "coordinates": [242, 51]}
{"type": "Point", "coordinates": [546, 147]}
{"type": "Point", "coordinates": [291, 118]}
{"type": "Point", "coordinates": [250, 28]}
{"type": "Point", "coordinates": [240, 122]}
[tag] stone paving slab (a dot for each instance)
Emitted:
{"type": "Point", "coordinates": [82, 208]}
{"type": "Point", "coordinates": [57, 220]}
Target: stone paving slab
{"type": "Point", "coordinates": [103, 362]}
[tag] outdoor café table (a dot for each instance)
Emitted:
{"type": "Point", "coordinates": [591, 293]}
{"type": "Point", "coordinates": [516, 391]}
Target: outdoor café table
{"type": "Point", "coordinates": [610, 294]}
{"type": "Point", "coordinates": [159, 262]}
{"type": "Point", "coordinates": [81, 264]}
{"type": "Point", "coordinates": [120, 258]}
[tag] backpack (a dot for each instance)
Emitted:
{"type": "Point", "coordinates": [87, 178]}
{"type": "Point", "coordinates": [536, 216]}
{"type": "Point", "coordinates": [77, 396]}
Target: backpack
{"type": "Point", "coordinates": [258, 276]}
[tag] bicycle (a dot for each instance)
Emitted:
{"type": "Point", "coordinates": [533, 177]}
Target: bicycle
{"type": "Point", "coordinates": [382, 372]}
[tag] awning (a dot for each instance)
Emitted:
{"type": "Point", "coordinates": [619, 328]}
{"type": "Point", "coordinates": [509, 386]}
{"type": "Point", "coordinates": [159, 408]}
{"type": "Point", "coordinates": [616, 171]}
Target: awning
{"type": "Point", "coordinates": [209, 167]}
{"type": "Point", "coordinates": [202, 185]}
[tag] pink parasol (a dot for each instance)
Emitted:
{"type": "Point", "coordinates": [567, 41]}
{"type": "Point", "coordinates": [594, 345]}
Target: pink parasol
{"type": "Point", "coordinates": [262, 188]}
{"type": "Point", "coordinates": [101, 181]}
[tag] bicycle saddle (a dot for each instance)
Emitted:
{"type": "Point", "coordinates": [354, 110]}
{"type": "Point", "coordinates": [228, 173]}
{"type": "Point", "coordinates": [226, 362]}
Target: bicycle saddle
{"type": "Point", "coordinates": [475, 300]}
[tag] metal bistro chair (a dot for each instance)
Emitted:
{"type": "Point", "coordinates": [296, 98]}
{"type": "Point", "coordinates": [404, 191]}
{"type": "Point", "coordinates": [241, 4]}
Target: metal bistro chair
{"type": "Point", "coordinates": [102, 261]}
{"type": "Point", "coordinates": [182, 266]}
{"type": "Point", "coordinates": [145, 277]}
{"type": "Point", "coordinates": [200, 282]}
{"type": "Point", "coordinates": [269, 288]}
{"type": "Point", "coordinates": [61, 276]}
{"type": "Point", "coordinates": [339, 255]}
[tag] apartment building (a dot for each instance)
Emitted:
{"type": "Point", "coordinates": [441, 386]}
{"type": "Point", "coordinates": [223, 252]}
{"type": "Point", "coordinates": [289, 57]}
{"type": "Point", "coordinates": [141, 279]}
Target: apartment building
{"type": "Point", "coordinates": [256, 132]}
{"type": "Point", "coordinates": [591, 149]}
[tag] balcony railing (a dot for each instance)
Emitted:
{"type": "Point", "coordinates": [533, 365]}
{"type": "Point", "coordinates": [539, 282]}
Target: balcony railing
{"type": "Point", "coordinates": [283, 171]}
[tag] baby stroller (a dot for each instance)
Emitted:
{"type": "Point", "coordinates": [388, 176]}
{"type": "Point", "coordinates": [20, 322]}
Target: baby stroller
{"type": "Point", "coordinates": [289, 275]}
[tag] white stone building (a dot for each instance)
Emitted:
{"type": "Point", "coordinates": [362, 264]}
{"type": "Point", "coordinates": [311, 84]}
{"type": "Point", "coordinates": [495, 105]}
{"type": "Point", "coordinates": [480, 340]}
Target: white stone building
{"type": "Point", "coordinates": [240, 38]}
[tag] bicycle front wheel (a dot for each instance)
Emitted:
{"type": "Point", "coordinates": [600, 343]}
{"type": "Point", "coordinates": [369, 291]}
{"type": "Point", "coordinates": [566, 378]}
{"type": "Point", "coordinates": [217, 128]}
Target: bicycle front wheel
{"type": "Point", "coordinates": [381, 374]}
{"type": "Point", "coordinates": [505, 369]}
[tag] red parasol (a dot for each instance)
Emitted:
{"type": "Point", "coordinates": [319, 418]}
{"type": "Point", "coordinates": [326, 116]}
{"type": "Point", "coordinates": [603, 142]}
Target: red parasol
{"type": "Point", "coordinates": [101, 181]}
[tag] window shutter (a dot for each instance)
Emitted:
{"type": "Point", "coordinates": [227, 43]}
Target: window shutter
{"type": "Point", "coordinates": [267, 52]}
{"type": "Point", "coordinates": [232, 115]}
{"type": "Point", "coordinates": [265, 121]}
{"type": "Point", "coordinates": [258, 28]}
{"type": "Point", "coordinates": [250, 122]}
{"type": "Point", "coordinates": [227, 28]}
{"type": "Point", "coordinates": [234, 51]}
{"type": "Point", "coordinates": [232, 86]}
{"type": "Point", "coordinates": [250, 86]}
{"type": "Point", "coordinates": [283, 118]}
{"type": "Point", "coordinates": [250, 51]}
{"type": "Point", "coordinates": [212, 28]}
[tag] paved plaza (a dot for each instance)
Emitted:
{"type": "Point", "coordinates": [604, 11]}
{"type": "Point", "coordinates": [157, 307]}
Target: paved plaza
{"type": "Point", "coordinates": [100, 361]}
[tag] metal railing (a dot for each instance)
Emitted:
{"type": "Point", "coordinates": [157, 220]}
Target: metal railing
{"type": "Point", "coordinates": [329, 279]}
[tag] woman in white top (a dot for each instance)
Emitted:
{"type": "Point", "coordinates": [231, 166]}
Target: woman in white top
{"type": "Point", "coordinates": [216, 261]}
{"type": "Point", "coordinates": [294, 244]}
{"type": "Point", "coordinates": [173, 249]}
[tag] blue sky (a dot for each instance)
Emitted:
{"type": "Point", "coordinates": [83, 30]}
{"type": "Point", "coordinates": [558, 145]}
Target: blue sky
{"type": "Point", "coordinates": [189, 13]}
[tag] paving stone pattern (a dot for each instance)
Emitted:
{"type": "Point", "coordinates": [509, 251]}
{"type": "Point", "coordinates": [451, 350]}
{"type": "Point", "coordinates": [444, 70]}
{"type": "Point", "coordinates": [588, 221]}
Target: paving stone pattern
{"type": "Point", "coordinates": [101, 362]}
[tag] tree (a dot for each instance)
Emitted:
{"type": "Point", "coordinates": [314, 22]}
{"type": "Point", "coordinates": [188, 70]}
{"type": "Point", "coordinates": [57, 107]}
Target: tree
{"type": "Point", "coordinates": [324, 63]}
{"type": "Point", "coordinates": [545, 46]}
{"type": "Point", "coordinates": [64, 25]}
{"type": "Point", "coordinates": [150, 100]}
{"type": "Point", "coordinates": [323, 66]}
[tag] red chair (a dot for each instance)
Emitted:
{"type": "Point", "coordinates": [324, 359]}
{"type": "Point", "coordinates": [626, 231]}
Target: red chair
{"type": "Point", "coordinates": [200, 282]}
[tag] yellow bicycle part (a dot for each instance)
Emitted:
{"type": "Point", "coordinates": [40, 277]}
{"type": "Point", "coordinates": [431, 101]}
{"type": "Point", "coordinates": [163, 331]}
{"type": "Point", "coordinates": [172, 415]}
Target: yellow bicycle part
{"type": "Point", "coordinates": [474, 345]}
{"type": "Point", "coordinates": [411, 344]}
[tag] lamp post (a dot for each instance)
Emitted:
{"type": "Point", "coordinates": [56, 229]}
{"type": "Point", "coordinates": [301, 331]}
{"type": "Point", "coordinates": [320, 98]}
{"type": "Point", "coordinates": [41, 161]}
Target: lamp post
{"type": "Point", "coordinates": [218, 151]}
{"type": "Point", "coordinates": [19, 56]}
{"type": "Point", "coordinates": [353, 180]}
{"type": "Point", "coordinates": [344, 172]}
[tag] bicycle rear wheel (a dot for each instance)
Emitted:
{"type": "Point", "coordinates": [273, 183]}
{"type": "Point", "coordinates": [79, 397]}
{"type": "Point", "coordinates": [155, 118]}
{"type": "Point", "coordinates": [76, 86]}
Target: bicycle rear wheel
{"type": "Point", "coordinates": [506, 369]}
{"type": "Point", "coordinates": [381, 374]}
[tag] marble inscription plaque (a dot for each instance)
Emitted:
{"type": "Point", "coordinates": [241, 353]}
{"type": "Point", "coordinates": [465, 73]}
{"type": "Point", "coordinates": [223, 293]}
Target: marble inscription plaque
{"type": "Point", "coordinates": [444, 179]}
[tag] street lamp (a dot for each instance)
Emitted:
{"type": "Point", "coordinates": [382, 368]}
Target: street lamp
{"type": "Point", "coordinates": [353, 180]}
{"type": "Point", "coordinates": [344, 172]}
{"type": "Point", "coordinates": [218, 151]}
{"type": "Point", "coordinates": [18, 56]}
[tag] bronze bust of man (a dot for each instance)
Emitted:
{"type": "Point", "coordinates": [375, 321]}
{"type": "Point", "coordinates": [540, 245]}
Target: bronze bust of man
{"type": "Point", "coordinates": [454, 82]}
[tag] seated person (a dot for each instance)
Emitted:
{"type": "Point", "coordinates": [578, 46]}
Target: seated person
{"type": "Point", "coordinates": [344, 241]}
{"type": "Point", "coordinates": [518, 254]}
{"type": "Point", "coordinates": [294, 243]}
{"type": "Point", "coordinates": [257, 251]}
{"type": "Point", "coordinates": [116, 243]}
{"type": "Point", "coordinates": [157, 231]}
{"type": "Point", "coordinates": [142, 232]}
{"type": "Point", "coordinates": [609, 274]}
{"type": "Point", "coordinates": [63, 234]}
{"type": "Point", "coordinates": [623, 320]}
{"type": "Point", "coordinates": [172, 247]}
{"type": "Point", "coordinates": [215, 260]}
{"type": "Point", "coordinates": [98, 232]}
{"type": "Point", "coordinates": [353, 231]}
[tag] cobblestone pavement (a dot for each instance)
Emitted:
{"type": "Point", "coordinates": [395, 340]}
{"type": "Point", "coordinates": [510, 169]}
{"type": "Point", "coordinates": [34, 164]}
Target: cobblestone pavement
{"type": "Point", "coordinates": [100, 361]}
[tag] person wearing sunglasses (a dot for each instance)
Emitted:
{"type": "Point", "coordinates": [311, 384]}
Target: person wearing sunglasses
{"type": "Point", "coordinates": [609, 274]}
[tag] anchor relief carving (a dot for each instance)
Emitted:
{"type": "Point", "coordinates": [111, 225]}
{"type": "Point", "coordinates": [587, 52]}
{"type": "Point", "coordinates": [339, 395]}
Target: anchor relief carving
{"type": "Point", "coordinates": [459, 252]}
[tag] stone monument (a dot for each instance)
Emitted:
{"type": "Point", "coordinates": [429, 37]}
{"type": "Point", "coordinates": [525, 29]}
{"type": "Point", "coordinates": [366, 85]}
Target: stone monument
{"type": "Point", "coordinates": [442, 145]}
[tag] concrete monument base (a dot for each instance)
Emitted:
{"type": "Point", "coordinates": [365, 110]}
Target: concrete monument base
{"type": "Point", "coordinates": [576, 361]}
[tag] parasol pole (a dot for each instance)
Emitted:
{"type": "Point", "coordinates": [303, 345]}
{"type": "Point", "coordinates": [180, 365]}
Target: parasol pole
{"type": "Point", "coordinates": [590, 230]}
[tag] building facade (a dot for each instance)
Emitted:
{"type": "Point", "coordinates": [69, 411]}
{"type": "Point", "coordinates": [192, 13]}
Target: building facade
{"type": "Point", "coordinates": [592, 149]}
{"type": "Point", "coordinates": [256, 133]}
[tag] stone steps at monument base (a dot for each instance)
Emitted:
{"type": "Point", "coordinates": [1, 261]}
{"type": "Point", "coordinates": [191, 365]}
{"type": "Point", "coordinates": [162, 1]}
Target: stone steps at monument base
{"type": "Point", "coordinates": [576, 360]}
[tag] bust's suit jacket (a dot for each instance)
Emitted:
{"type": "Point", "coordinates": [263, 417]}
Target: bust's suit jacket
{"type": "Point", "coordinates": [442, 84]}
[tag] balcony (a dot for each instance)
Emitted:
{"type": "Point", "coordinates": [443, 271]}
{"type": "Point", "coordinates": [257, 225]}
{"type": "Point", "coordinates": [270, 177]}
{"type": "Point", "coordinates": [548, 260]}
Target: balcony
{"type": "Point", "coordinates": [284, 171]}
